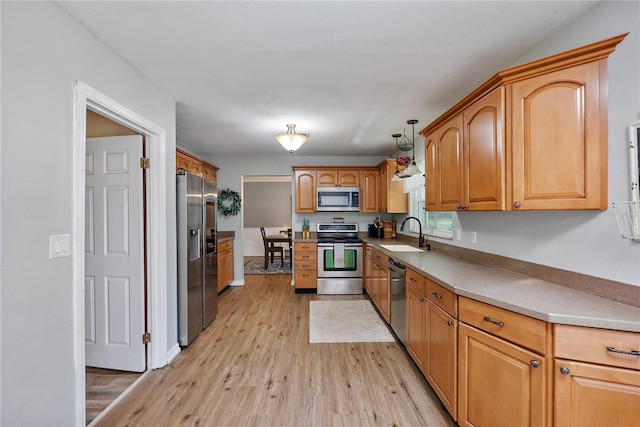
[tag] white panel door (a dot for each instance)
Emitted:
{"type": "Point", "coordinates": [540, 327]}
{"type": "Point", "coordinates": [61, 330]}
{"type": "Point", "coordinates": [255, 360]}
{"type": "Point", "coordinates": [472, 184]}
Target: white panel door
{"type": "Point", "coordinates": [114, 265]}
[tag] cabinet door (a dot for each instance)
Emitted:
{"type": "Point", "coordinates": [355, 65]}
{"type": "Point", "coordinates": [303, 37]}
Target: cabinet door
{"type": "Point", "coordinates": [348, 178]}
{"type": "Point", "coordinates": [595, 395]}
{"type": "Point", "coordinates": [327, 178]}
{"type": "Point", "coordinates": [450, 165]}
{"type": "Point", "coordinates": [559, 139]}
{"type": "Point", "coordinates": [383, 188]}
{"type": "Point", "coordinates": [305, 191]}
{"type": "Point", "coordinates": [499, 384]}
{"type": "Point", "coordinates": [432, 173]}
{"type": "Point", "coordinates": [415, 343]}
{"type": "Point", "coordinates": [385, 293]}
{"type": "Point", "coordinates": [369, 191]}
{"type": "Point", "coordinates": [441, 355]}
{"type": "Point", "coordinates": [183, 162]}
{"type": "Point", "coordinates": [484, 171]}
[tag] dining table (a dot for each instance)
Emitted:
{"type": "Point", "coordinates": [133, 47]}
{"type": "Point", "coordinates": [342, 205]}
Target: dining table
{"type": "Point", "coordinates": [270, 241]}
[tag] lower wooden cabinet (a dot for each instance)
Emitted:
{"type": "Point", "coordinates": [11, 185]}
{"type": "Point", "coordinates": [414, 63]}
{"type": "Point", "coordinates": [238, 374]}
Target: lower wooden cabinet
{"type": "Point", "coordinates": [305, 265]}
{"type": "Point", "coordinates": [225, 264]}
{"type": "Point", "coordinates": [378, 284]}
{"type": "Point", "coordinates": [499, 383]}
{"type": "Point", "coordinates": [596, 377]}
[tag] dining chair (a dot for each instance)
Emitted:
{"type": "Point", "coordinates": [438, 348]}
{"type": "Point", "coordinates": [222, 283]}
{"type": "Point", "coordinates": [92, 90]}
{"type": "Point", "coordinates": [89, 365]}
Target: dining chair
{"type": "Point", "coordinates": [270, 250]}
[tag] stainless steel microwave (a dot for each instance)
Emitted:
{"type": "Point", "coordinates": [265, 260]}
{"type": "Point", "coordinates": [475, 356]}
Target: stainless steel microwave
{"type": "Point", "coordinates": [338, 199]}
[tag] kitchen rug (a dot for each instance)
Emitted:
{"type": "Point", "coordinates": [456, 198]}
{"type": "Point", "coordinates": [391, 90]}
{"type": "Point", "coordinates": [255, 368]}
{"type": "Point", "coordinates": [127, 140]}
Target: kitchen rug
{"type": "Point", "coordinates": [346, 321]}
{"type": "Point", "coordinates": [256, 266]}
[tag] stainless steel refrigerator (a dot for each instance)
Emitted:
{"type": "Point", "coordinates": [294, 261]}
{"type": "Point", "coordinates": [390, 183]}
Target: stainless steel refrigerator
{"type": "Point", "coordinates": [197, 266]}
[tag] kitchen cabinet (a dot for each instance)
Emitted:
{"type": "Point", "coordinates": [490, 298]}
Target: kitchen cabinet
{"type": "Point", "coordinates": [225, 264]}
{"type": "Point", "coordinates": [369, 191]}
{"type": "Point", "coordinates": [305, 265]}
{"type": "Point", "coordinates": [379, 283]}
{"type": "Point", "coordinates": [532, 137]}
{"type": "Point", "coordinates": [596, 378]}
{"type": "Point", "coordinates": [196, 166]}
{"type": "Point", "coordinates": [432, 335]}
{"type": "Point", "coordinates": [338, 177]}
{"type": "Point", "coordinates": [305, 190]}
{"type": "Point", "coordinates": [392, 198]}
{"type": "Point", "coordinates": [501, 358]}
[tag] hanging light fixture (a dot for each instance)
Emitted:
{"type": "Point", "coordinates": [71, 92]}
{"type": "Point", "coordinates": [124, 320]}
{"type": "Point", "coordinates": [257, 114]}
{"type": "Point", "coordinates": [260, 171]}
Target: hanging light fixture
{"type": "Point", "coordinates": [396, 175]}
{"type": "Point", "coordinates": [291, 141]}
{"type": "Point", "coordinates": [413, 169]}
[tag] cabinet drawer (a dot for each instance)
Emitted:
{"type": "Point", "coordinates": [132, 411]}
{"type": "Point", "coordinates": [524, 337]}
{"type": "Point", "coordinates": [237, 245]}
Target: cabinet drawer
{"type": "Point", "coordinates": [223, 246]}
{"type": "Point", "coordinates": [416, 280]}
{"type": "Point", "coordinates": [517, 328]}
{"type": "Point", "coordinates": [305, 247]}
{"type": "Point", "coordinates": [600, 346]}
{"type": "Point", "coordinates": [381, 258]}
{"type": "Point", "coordinates": [306, 279]}
{"type": "Point", "coordinates": [306, 265]}
{"type": "Point", "coordinates": [443, 298]}
{"type": "Point", "coordinates": [304, 256]}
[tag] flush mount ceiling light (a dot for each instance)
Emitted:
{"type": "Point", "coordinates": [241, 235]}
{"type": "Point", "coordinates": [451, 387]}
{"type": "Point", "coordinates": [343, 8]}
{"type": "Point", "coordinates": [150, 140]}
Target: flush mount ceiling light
{"type": "Point", "coordinates": [291, 141]}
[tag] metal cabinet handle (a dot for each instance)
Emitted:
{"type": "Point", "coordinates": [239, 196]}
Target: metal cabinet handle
{"type": "Point", "coordinates": [565, 371]}
{"type": "Point", "coordinates": [631, 353]}
{"type": "Point", "coordinates": [438, 296]}
{"type": "Point", "coordinates": [488, 319]}
{"type": "Point", "coordinates": [450, 323]}
{"type": "Point", "coordinates": [534, 363]}
{"type": "Point", "coordinates": [413, 280]}
{"type": "Point", "coordinates": [516, 205]}
{"type": "Point", "coordinates": [421, 299]}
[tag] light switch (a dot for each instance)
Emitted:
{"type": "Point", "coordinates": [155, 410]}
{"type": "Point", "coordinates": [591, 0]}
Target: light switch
{"type": "Point", "coordinates": [59, 246]}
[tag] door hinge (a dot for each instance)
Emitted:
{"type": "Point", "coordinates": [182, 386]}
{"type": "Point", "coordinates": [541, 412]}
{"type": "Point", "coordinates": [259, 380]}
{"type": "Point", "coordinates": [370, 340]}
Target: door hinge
{"type": "Point", "coordinates": [146, 338]}
{"type": "Point", "coordinates": [144, 163]}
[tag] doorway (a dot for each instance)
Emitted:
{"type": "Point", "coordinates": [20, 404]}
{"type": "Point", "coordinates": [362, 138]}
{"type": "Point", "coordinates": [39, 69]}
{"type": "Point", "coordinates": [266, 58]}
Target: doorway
{"type": "Point", "coordinates": [87, 98]}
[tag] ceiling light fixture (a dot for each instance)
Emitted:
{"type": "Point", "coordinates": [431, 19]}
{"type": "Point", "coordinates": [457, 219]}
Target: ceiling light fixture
{"type": "Point", "coordinates": [413, 169]}
{"type": "Point", "coordinates": [396, 175]}
{"type": "Point", "coordinates": [291, 141]}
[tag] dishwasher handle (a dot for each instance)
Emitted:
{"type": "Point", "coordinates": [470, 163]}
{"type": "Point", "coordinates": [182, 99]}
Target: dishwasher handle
{"type": "Point", "coordinates": [396, 267]}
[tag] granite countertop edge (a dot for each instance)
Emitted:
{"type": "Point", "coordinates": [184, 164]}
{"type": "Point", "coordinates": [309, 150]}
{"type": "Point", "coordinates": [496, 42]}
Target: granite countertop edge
{"type": "Point", "coordinates": [516, 292]}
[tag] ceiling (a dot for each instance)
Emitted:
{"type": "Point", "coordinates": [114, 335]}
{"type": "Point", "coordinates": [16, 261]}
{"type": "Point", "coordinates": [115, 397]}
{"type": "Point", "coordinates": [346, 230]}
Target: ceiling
{"type": "Point", "coordinates": [348, 73]}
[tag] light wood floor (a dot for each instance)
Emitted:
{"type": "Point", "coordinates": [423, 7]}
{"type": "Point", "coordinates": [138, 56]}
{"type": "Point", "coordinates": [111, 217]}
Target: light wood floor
{"type": "Point", "coordinates": [103, 386]}
{"type": "Point", "coordinates": [254, 366]}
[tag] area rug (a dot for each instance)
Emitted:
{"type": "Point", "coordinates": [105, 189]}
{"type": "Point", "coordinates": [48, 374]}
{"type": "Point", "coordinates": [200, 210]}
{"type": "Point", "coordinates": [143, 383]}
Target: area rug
{"type": "Point", "coordinates": [256, 266]}
{"type": "Point", "coordinates": [346, 321]}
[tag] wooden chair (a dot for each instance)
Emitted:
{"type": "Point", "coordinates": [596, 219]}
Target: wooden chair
{"type": "Point", "coordinates": [270, 250]}
{"type": "Point", "coordinates": [290, 234]}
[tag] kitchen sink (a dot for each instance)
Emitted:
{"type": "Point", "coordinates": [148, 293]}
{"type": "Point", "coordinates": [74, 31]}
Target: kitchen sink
{"type": "Point", "coordinates": [401, 248]}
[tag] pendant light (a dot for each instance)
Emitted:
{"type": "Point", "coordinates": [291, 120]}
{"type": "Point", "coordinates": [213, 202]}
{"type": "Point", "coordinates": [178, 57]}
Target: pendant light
{"type": "Point", "coordinates": [413, 169]}
{"type": "Point", "coordinates": [291, 141]}
{"type": "Point", "coordinates": [396, 175]}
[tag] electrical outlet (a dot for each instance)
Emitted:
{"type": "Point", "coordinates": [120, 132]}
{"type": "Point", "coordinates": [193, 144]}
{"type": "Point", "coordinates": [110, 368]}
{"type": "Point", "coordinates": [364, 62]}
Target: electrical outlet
{"type": "Point", "coordinates": [458, 234]}
{"type": "Point", "coordinates": [474, 237]}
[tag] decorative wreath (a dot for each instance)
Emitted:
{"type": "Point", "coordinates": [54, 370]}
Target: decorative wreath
{"type": "Point", "coordinates": [228, 202]}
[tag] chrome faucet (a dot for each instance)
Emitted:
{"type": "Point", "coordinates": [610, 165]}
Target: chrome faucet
{"type": "Point", "coordinates": [421, 236]}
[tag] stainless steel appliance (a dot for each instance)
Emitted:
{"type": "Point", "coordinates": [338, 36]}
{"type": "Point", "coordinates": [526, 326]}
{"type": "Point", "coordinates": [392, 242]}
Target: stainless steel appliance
{"type": "Point", "coordinates": [398, 300]}
{"type": "Point", "coordinates": [210, 288]}
{"type": "Point", "coordinates": [338, 199]}
{"type": "Point", "coordinates": [339, 259]}
{"type": "Point", "coordinates": [196, 241]}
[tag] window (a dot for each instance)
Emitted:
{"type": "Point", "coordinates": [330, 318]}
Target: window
{"type": "Point", "coordinates": [436, 224]}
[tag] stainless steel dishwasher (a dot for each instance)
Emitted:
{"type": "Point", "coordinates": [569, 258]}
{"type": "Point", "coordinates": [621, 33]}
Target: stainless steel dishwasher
{"type": "Point", "coordinates": [398, 300]}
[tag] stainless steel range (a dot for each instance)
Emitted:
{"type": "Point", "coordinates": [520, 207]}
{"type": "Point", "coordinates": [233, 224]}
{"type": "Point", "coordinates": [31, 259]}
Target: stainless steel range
{"type": "Point", "coordinates": [339, 259]}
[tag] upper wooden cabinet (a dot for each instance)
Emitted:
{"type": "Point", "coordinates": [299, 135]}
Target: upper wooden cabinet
{"type": "Point", "coordinates": [392, 198]}
{"type": "Point", "coordinates": [531, 137]}
{"type": "Point", "coordinates": [196, 166]}
{"type": "Point", "coordinates": [369, 191]}
{"type": "Point", "coordinates": [338, 177]}
{"type": "Point", "coordinates": [305, 190]}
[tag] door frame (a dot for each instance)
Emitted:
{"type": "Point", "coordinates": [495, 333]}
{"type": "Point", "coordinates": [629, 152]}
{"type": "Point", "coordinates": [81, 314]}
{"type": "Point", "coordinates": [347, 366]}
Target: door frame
{"type": "Point", "coordinates": [86, 97]}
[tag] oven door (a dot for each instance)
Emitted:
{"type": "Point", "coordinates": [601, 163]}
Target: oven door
{"type": "Point", "coordinates": [339, 259]}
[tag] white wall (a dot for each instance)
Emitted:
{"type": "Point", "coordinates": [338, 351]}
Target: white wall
{"type": "Point", "coordinates": [583, 241]}
{"type": "Point", "coordinates": [43, 53]}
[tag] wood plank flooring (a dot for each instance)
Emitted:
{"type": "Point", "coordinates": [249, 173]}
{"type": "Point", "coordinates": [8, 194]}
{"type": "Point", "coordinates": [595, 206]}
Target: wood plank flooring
{"type": "Point", "coordinates": [103, 386]}
{"type": "Point", "coordinates": [254, 366]}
